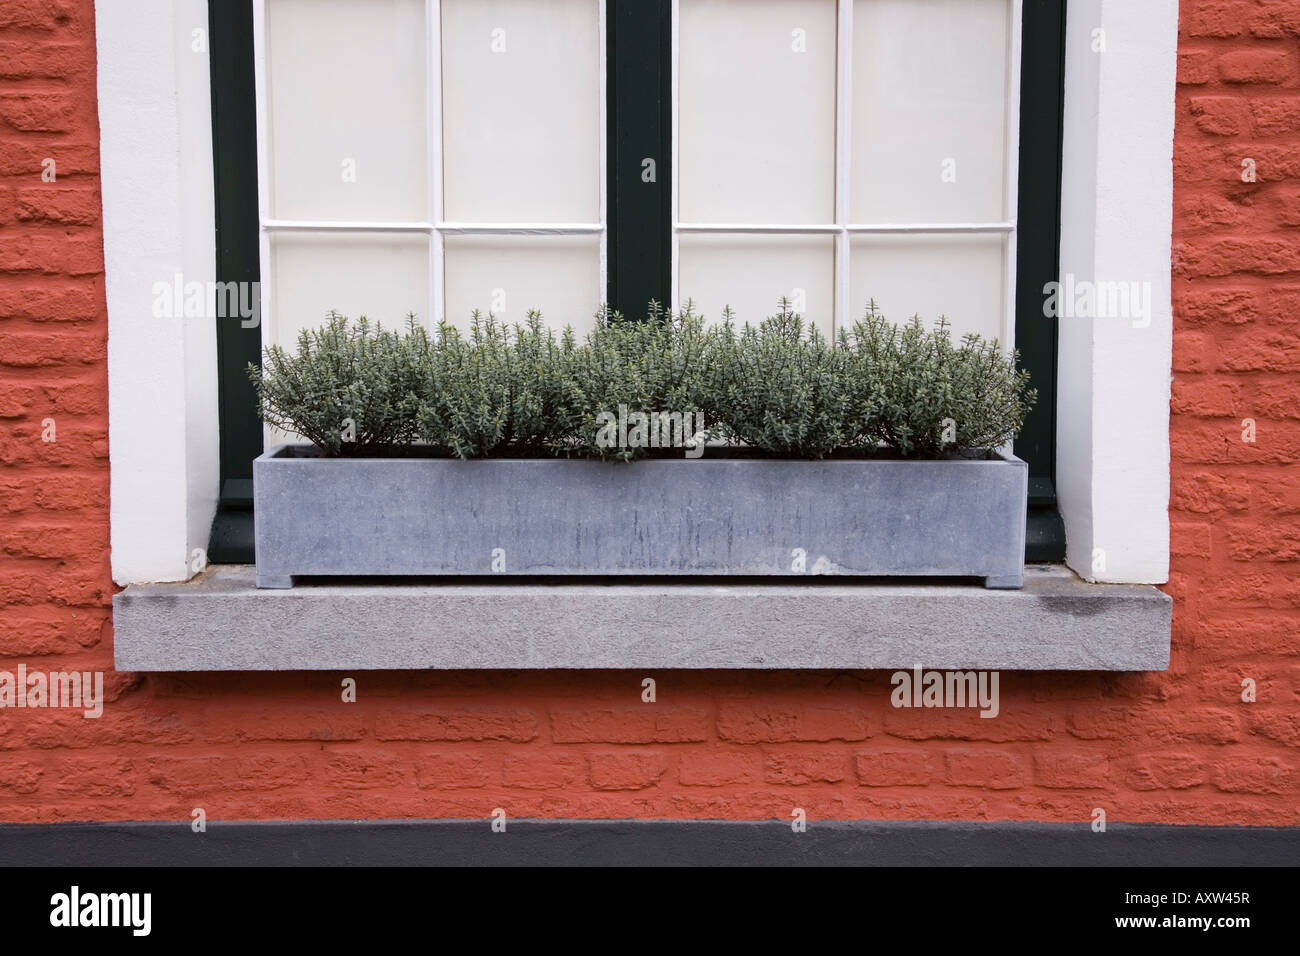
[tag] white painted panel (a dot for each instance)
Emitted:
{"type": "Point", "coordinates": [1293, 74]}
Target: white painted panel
{"type": "Point", "coordinates": [756, 111]}
{"type": "Point", "coordinates": [347, 108]}
{"type": "Point", "coordinates": [383, 277]}
{"type": "Point", "coordinates": [509, 275]}
{"type": "Point", "coordinates": [752, 273]}
{"type": "Point", "coordinates": [521, 110]}
{"type": "Point", "coordinates": [959, 276]}
{"type": "Point", "coordinates": [1112, 440]}
{"type": "Point", "coordinates": [156, 170]}
{"type": "Point", "coordinates": [929, 97]}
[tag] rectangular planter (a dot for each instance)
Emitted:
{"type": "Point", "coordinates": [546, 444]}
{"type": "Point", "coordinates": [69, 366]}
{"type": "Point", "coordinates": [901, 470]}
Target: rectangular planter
{"type": "Point", "coordinates": [708, 516]}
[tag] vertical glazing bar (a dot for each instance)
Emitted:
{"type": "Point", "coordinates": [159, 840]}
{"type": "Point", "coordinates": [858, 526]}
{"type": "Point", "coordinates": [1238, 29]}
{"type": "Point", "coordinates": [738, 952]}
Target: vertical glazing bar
{"type": "Point", "coordinates": [843, 168]}
{"type": "Point", "coordinates": [261, 84]}
{"type": "Point", "coordinates": [675, 215]}
{"type": "Point", "coordinates": [1010, 191]}
{"type": "Point", "coordinates": [433, 123]}
{"type": "Point", "coordinates": [602, 160]}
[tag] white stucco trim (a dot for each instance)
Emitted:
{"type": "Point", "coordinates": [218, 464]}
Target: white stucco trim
{"type": "Point", "coordinates": [1112, 437]}
{"type": "Point", "coordinates": [1113, 401]}
{"type": "Point", "coordinates": [156, 173]}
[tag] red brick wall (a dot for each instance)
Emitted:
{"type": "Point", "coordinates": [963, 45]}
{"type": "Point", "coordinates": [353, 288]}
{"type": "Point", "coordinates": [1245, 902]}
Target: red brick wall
{"type": "Point", "coordinates": [1177, 747]}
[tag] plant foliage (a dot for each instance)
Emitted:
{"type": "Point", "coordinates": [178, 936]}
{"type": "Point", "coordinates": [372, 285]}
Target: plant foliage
{"type": "Point", "coordinates": [780, 388]}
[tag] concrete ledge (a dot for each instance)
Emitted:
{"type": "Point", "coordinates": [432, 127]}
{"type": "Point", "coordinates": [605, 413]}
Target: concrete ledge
{"type": "Point", "coordinates": [221, 622]}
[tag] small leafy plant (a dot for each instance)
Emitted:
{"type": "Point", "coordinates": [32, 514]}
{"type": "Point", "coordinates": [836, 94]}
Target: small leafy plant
{"type": "Point", "coordinates": [779, 389]}
{"type": "Point", "coordinates": [497, 390]}
{"type": "Point", "coordinates": [917, 393]}
{"type": "Point", "coordinates": [349, 389]}
{"type": "Point", "coordinates": [653, 365]}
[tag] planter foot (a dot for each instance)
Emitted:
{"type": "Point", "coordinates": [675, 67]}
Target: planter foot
{"type": "Point", "coordinates": [274, 580]}
{"type": "Point", "coordinates": [1006, 581]}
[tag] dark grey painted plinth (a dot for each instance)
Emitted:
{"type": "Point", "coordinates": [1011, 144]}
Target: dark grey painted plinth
{"type": "Point", "coordinates": [709, 516]}
{"type": "Point", "coordinates": [221, 621]}
{"type": "Point", "coordinates": [646, 843]}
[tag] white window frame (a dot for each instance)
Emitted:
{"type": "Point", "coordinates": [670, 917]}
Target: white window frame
{"type": "Point", "coordinates": [434, 227]}
{"type": "Point", "coordinates": [842, 229]}
{"type": "Point", "coordinates": [1113, 400]}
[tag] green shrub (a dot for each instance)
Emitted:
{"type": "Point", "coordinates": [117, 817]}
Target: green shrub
{"type": "Point", "coordinates": [924, 396]}
{"type": "Point", "coordinates": [779, 388]}
{"type": "Point", "coordinates": [498, 390]}
{"type": "Point", "coordinates": [651, 365]}
{"type": "Point", "coordinates": [349, 389]}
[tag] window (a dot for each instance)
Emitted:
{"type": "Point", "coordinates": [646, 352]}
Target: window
{"type": "Point", "coordinates": [438, 156]}
{"type": "Point", "coordinates": [429, 158]}
{"type": "Point", "coordinates": [842, 153]}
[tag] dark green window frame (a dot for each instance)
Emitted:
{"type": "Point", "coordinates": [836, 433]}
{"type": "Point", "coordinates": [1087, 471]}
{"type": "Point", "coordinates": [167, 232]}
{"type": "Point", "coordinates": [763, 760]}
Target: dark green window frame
{"type": "Point", "coordinates": [639, 87]}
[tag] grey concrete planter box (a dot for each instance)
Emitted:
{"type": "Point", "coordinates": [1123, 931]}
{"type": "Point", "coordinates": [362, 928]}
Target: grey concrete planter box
{"type": "Point", "coordinates": [708, 516]}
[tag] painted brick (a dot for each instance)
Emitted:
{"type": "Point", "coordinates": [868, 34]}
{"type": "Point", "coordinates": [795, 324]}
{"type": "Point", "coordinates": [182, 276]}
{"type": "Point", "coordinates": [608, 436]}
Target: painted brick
{"type": "Point", "coordinates": [1221, 115]}
{"type": "Point", "coordinates": [1070, 771]}
{"type": "Point", "coordinates": [57, 303]}
{"type": "Point", "coordinates": [1274, 19]}
{"type": "Point", "coordinates": [752, 722]}
{"type": "Point", "coordinates": [96, 777]}
{"type": "Point", "coordinates": [986, 769]}
{"type": "Point", "coordinates": [895, 768]}
{"type": "Point", "coordinates": [19, 777]}
{"type": "Point", "coordinates": [362, 770]}
{"type": "Point", "coordinates": [1254, 775]}
{"type": "Point", "coordinates": [25, 158]}
{"type": "Point", "coordinates": [642, 724]}
{"type": "Point", "coordinates": [1175, 771]}
{"type": "Point", "coordinates": [53, 253]}
{"type": "Point", "coordinates": [64, 205]}
{"type": "Point", "coordinates": [1274, 117]}
{"type": "Point", "coordinates": [24, 60]}
{"type": "Point", "coordinates": [215, 774]}
{"type": "Point", "coordinates": [625, 770]}
{"type": "Point", "coordinates": [1256, 66]}
{"type": "Point", "coordinates": [712, 768]}
{"type": "Point", "coordinates": [1213, 18]}
{"type": "Point", "coordinates": [797, 768]}
{"type": "Point", "coordinates": [548, 770]}
{"type": "Point", "coordinates": [1234, 255]}
{"type": "Point", "coordinates": [1195, 67]}
{"type": "Point", "coordinates": [37, 14]}
{"type": "Point", "coordinates": [479, 724]}
{"type": "Point", "coordinates": [454, 771]}
{"type": "Point", "coordinates": [43, 112]}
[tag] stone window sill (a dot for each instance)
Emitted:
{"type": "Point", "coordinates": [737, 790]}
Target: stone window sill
{"type": "Point", "coordinates": [221, 622]}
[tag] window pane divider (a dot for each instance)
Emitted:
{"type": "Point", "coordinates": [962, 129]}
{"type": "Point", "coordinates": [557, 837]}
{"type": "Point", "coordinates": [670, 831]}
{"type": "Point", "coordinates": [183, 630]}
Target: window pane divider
{"type": "Point", "coordinates": [1011, 169]}
{"type": "Point", "coordinates": [450, 228]}
{"type": "Point", "coordinates": [433, 147]}
{"type": "Point", "coordinates": [833, 229]}
{"type": "Point", "coordinates": [521, 228]}
{"type": "Point", "coordinates": [766, 228]}
{"type": "Point", "coordinates": [932, 227]}
{"type": "Point", "coordinates": [262, 108]}
{"type": "Point", "coordinates": [339, 225]}
{"type": "Point", "coordinates": [675, 138]}
{"type": "Point", "coordinates": [842, 279]}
